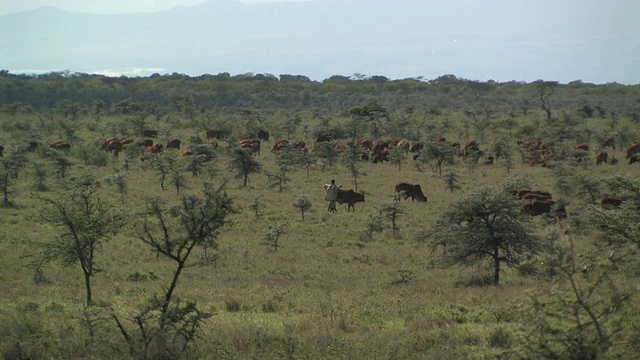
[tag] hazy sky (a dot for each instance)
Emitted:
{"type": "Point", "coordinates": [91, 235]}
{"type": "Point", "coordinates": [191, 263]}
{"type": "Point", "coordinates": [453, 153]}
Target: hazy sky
{"type": "Point", "coordinates": [106, 6]}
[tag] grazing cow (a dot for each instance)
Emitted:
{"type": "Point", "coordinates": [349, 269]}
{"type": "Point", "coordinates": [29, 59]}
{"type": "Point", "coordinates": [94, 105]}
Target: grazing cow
{"type": "Point", "coordinates": [173, 143]}
{"type": "Point", "coordinates": [582, 146]}
{"type": "Point", "coordinates": [145, 143]}
{"type": "Point", "coordinates": [404, 145]}
{"type": "Point", "coordinates": [633, 149]}
{"type": "Point", "coordinates": [155, 149]}
{"type": "Point", "coordinates": [149, 133]}
{"type": "Point", "coordinates": [187, 151]}
{"type": "Point", "coordinates": [634, 159]}
{"type": "Point", "coordinates": [59, 145]}
{"type": "Point", "coordinates": [608, 142]}
{"type": "Point", "coordinates": [323, 138]}
{"type": "Point", "coordinates": [263, 135]}
{"type": "Point", "coordinates": [1, 150]}
{"type": "Point", "coordinates": [411, 190]}
{"type": "Point", "coordinates": [611, 201]}
{"type": "Point", "coordinates": [365, 143]}
{"type": "Point", "coordinates": [215, 134]}
{"type": "Point", "coordinates": [527, 194]}
{"type": "Point", "coordinates": [540, 207]}
{"type": "Point", "coordinates": [614, 160]}
{"type": "Point", "coordinates": [253, 144]}
{"type": "Point", "coordinates": [349, 197]}
{"type": "Point", "coordinates": [279, 144]}
{"type": "Point", "coordinates": [381, 156]}
{"type": "Point", "coordinates": [416, 146]}
{"type": "Point", "coordinates": [113, 146]}
{"type": "Point", "coordinates": [602, 157]}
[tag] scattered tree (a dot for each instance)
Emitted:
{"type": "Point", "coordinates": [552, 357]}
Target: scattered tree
{"type": "Point", "coordinates": [486, 224]}
{"type": "Point", "coordinates": [242, 164]}
{"type": "Point", "coordinates": [302, 203]}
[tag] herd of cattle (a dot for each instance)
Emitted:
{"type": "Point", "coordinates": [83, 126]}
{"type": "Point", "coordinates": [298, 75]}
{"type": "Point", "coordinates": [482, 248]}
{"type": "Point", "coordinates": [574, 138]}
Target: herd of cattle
{"type": "Point", "coordinates": [535, 202]}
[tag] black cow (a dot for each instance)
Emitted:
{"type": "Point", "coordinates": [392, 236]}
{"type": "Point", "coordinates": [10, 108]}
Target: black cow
{"type": "Point", "coordinates": [263, 135]}
{"type": "Point", "coordinates": [349, 197]}
{"type": "Point", "coordinates": [411, 190]}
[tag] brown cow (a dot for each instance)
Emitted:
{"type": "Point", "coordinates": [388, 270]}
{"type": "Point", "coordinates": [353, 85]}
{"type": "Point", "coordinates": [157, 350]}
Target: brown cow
{"type": "Point", "coordinates": [253, 144]}
{"type": "Point", "coordinates": [527, 194]}
{"type": "Point", "coordinates": [113, 146]}
{"type": "Point", "coordinates": [365, 143]}
{"type": "Point", "coordinates": [411, 190]}
{"type": "Point", "coordinates": [215, 134]}
{"type": "Point", "coordinates": [608, 142]}
{"type": "Point", "coordinates": [634, 159]}
{"type": "Point", "coordinates": [538, 207]}
{"type": "Point", "coordinates": [279, 144]}
{"type": "Point", "coordinates": [602, 157]}
{"type": "Point", "coordinates": [149, 133]}
{"type": "Point", "coordinates": [59, 145]}
{"type": "Point", "coordinates": [381, 156]}
{"type": "Point", "coordinates": [173, 143]}
{"type": "Point", "coordinates": [1, 150]}
{"type": "Point", "coordinates": [611, 201]}
{"type": "Point", "coordinates": [582, 146]}
{"type": "Point", "coordinates": [633, 149]}
{"type": "Point", "coordinates": [349, 197]}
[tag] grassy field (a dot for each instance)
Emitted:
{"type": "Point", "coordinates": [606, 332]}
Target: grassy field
{"type": "Point", "coordinates": [327, 292]}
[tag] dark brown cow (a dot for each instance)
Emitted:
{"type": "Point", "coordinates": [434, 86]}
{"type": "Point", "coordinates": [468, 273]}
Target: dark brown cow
{"type": "Point", "coordinates": [381, 156]}
{"type": "Point", "coordinates": [323, 138]}
{"type": "Point", "coordinates": [527, 194]}
{"type": "Point", "coordinates": [538, 207]}
{"type": "Point", "coordinates": [633, 149]}
{"type": "Point", "coordinates": [411, 190]}
{"type": "Point", "coordinates": [1, 150]}
{"type": "Point", "coordinates": [582, 146]}
{"type": "Point", "coordinates": [611, 201]}
{"type": "Point", "coordinates": [602, 157]}
{"type": "Point", "coordinates": [634, 159]}
{"type": "Point", "coordinates": [365, 143]}
{"type": "Point", "coordinates": [173, 143]}
{"type": "Point", "coordinates": [215, 134]}
{"type": "Point", "coordinates": [149, 133]}
{"type": "Point", "coordinates": [349, 197]}
{"type": "Point", "coordinates": [155, 149]}
{"type": "Point", "coordinates": [145, 143]}
{"type": "Point", "coordinates": [59, 145]}
{"type": "Point", "coordinates": [614, 160]}
{"type": "Point", "coordinates": [416, 146]}
{"type": "Point", "coordinates": [263, 135]}
{"type": "Point", "coordinates": [113, 146]}
{"type": "Point", "coordinates": [608, 142]}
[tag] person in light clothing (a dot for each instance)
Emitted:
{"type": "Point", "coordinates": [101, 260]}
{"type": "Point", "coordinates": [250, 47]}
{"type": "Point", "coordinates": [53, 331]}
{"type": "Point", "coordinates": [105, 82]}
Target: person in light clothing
{"type": "Point", "coordinates": [331, 195]}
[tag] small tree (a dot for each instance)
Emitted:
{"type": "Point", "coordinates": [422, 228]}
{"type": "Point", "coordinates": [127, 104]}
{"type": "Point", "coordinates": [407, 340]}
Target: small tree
{"type": "Point", "coordinates": [486, 224]}
{"type": "Point", "coordinates": [397, 156]}
{"type": "Point", "coordinates": [279, 179]}
{"type": "Point", "coordinates": [353, 163]}
{"type": "Point", "coordinates": [272, 236]}
{"type": "Point", "coordinates": [6, 186]}
{"type": "Point", "coordinates": [39, 176]}
{"type": "Point", "coordinates": [256, 205]}
{"type": "Point", "coordinates": [327, 154]}
{"type": "Point", "coordinates": [302, 203]}
{"type": "Point", "coordinates": [392, 211]}
{"type": "Point", "coordinates": [451, 181]}
{"type": "Point", "coordinates": [178, 178]}
{"type": "Point", "coordinates": [242, 164]}
{"type": "Point", "coordinates": [84, 222]}
{"type": "Point", "coordinates": [374, 224]}
{"type": "Point", "coordinates": [119, 179]}
{"type": "Point", "coordinates": [439, 153]}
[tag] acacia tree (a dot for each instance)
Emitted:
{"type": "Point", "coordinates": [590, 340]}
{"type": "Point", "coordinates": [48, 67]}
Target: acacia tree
{"type": "Point", "coordinates": [486, 224]}
{"type": "Point", "coordinates": [439, 153]}
{"type": "Point", "coordinates": [242, 164]}
{"type": "Point", "coordinates": [84, 222]}
{"type": "Point", "coordinates": [352, 162]}
{"type": "Point", "coordinates": [174, 232]}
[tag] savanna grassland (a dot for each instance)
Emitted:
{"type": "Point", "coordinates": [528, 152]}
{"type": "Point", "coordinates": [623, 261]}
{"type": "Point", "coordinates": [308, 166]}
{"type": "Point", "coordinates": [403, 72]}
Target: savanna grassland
{"type": "Point", "coordinates": [329, 289]}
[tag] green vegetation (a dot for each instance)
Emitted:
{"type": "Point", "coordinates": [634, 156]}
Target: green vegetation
{"type": "Point", "coordinates": [186, 273]}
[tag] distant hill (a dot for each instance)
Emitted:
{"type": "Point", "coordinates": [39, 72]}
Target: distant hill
{"type": "Point", "coordinates": [398, 39]}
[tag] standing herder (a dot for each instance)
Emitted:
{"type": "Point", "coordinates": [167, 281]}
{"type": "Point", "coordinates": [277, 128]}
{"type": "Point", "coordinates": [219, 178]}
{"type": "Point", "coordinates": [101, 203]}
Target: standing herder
{"type": "Point", "coordinates": [331, 195]}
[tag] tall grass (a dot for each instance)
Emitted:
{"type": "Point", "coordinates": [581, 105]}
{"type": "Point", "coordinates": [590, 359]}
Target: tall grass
{"type": "Point", "coordinates": [329, 291]}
